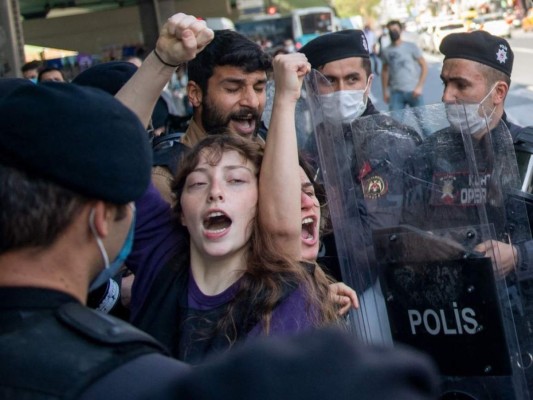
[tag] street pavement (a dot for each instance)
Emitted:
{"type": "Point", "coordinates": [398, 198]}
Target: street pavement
{"type": "Point", "coordinates": [519, 102]}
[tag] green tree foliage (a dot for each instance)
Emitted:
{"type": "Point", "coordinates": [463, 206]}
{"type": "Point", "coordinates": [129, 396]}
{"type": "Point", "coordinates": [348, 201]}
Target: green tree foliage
{"type": "Point", "coordinates": [286, 5]}
{"type": "Point", "coordinates": [348, 8]}
{"type": "Point", "coordinates": [343, 8]}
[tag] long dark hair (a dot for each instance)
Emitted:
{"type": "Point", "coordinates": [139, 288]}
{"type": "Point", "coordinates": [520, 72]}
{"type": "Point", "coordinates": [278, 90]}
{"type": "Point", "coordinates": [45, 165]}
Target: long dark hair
{"type": "Point", "coordinates": [269, 273]}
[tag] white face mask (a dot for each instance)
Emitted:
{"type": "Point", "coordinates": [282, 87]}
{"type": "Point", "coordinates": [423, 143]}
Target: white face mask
{"type": "Point", "coordinates": [344, 105]}
{"type": "Point", "coordinates": [469, 117]}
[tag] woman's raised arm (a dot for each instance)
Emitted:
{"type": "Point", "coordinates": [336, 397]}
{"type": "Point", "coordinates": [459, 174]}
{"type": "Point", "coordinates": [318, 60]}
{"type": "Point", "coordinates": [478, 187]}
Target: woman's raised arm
{"type": "Point", "coordinates": [279, 181]}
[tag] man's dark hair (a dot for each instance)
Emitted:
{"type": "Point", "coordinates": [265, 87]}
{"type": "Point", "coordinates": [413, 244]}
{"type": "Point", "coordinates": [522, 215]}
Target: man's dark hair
{"type": "Point", "coordinates": [30, 65]}
{"type": "Point", "coordinates": [395, 22]}
{"type": "Point", "coordinates": [33, 211]}
{"type": "Point", "coordinates": [493, 75]}
{"type": "Point", "coordinates": [48, 69]}
{"type": "Point", "coordinates": [367, 66]}
{"type": "Point", "coordinates": [227, 48]}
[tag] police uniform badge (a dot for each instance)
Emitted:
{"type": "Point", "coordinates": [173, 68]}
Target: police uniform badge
{"type": "Point", "coordinates": [374, 187]}
{"type": "Point", "coordinates": [459, 189]}
{"type": "Point", "coordinates": [447, 195]}
{"type": "Point", "coordinates": [501, 54]}
{"type": "Point", "coordinates": [364, 42]}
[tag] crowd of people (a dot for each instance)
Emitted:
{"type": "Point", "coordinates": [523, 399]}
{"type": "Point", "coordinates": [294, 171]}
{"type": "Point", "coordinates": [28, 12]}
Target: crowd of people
{"type": "Point", "coordinates": [119, 273]}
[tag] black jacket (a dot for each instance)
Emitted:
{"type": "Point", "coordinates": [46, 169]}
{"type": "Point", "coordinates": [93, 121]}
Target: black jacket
{"type": "Point", "coordinates": [52, 347]}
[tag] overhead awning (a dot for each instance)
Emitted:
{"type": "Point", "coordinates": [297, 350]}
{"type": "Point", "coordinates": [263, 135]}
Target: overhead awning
{"type": "Point", "coordinates": [39, 53]}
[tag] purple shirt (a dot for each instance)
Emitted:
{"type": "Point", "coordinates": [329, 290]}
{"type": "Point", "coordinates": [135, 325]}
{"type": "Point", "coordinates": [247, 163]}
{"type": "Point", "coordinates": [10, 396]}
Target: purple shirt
{"type": "Point", "coordinates": [157, 238]}
{"type": "Point", "coordinates": [290, 316]}
{"type": "Point", "coordinates": [196, 300]}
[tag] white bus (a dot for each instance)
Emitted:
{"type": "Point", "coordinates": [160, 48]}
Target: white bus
{"type": "Point", "coordinates": [310, 22]}
{"type": "Point", "coordinates": [300, 25]}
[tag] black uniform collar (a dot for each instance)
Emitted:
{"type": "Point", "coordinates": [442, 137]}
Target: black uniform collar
{"type": "Point", "coordinates": [513, 128]}
{"type": "Point", "coordinates": [370, 109]}
{"type": "Point", "coordinates": [32, 298]}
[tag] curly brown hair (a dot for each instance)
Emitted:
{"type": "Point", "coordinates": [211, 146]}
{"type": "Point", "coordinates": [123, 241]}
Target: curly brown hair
{"type": "Point", "coordinates": [268, 271]}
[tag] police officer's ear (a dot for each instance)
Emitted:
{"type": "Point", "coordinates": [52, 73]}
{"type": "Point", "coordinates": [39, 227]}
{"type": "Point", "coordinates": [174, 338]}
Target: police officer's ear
{"type": "Point", "coordinates": [369, 84]}
{"type": "Point", "coordinates": [194, 92]}
{"type": "Point", "coordinates": [500, 92]}
{"type": "Point", "coordinates": [101, 214]}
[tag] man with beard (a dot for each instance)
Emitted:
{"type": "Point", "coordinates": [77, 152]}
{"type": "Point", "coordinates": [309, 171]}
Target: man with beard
{"type": "Point", "coordinates": [226, 87]}
{"type": "Point", "coordinates": [227, 90]}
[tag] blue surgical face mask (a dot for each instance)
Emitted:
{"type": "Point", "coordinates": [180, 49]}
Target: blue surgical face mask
{"type": "Point", "coordinates": [112, 269]}
{"type": "Point", "coordinates": [34, 80]}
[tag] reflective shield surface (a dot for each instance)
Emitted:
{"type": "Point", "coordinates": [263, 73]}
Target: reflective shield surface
{"type": "Point", "coordinates": [425, 223]}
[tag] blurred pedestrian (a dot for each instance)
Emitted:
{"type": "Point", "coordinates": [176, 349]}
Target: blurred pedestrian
{"type": "Point", "coordinates": [372, 48]}
{"type": "Point", "coordinates": [50, 74]}
{"type": "Point", "coordinates": [30, 70]}
{"type": "Point", "coordinates": [403, 72]}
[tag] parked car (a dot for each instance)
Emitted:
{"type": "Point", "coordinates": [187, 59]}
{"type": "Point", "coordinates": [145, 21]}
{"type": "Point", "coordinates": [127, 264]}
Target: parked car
{"type": "Point", "coordinates": [444, 28]}
{"type": "Point", "coordinates": [496, 24]}
{"type": "Point", "coordinates": [527, 21]}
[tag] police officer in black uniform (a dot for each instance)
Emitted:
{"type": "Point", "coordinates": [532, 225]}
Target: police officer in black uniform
{"type": "Point", "coordinates": [72, 162]}
{"type": "Point", "coordinates": [66, 215]}
{"type": "Point", "coordinates": [376, 160]}
{"type": "Point", "coordinates": [476, 75]}
{"type": "Point", "coordinates": [477, 70]}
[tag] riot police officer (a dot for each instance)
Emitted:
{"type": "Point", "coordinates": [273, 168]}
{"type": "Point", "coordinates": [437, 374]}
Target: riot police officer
{"type": "Point", "coordinates": [66, 223]}
{"type": "Point", "coordinates": [343, 59]}
{"type": "Point", "coordinates": [452, 185]}
{"type": "Point", "coordinates": [477, 70]}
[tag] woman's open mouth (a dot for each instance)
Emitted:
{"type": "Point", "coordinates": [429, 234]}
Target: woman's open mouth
{"type": "Point", "coordinates": [309, 232]}
{"type": "Point", "coordinates": [216, 222]}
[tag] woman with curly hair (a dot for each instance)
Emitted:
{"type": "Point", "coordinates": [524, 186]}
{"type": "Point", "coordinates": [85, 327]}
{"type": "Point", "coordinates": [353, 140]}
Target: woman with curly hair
{"type": "Point", "coordinates": [230, 279]}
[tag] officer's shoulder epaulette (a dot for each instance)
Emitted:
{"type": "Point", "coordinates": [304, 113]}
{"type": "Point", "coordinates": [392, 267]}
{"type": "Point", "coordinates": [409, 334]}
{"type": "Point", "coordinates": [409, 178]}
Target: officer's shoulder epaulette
{"type": "Point", "coordinates": [103, 328]}
{"type": "Point", "coordinates": [524, 139]}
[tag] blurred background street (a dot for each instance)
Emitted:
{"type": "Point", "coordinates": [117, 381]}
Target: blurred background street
{"type": "Point", "coordinates": [74, 35]}
{"type": "Point", "coordinates": [519, 103]}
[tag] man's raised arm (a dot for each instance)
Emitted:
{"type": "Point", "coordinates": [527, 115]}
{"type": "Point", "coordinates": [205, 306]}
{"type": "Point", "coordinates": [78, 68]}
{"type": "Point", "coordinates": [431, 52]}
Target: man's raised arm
{"type": "Point", "coordinates": [181, 38]}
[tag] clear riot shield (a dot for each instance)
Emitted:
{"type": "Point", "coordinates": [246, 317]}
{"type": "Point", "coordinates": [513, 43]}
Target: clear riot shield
{"type": "Point", "coordinates": [304, 127]}
{"type": "Point", "coordinates": [412, 195]}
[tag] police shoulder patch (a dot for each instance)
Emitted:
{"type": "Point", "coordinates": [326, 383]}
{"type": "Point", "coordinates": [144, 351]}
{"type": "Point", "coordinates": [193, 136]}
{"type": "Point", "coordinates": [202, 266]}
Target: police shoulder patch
{"type": "Point", "coordinates": [374, 187]}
